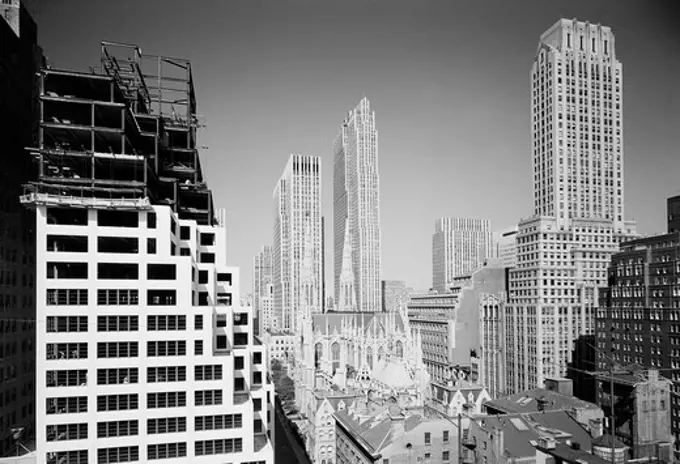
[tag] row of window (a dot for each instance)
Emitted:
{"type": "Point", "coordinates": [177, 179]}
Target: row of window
{"type": "Point", "coordinates": [110, 271]}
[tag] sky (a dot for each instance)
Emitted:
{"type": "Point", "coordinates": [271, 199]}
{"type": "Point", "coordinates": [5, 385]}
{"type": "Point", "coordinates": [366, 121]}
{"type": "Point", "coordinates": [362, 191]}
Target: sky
{"type": "Point", "coordinates": [448, 80]}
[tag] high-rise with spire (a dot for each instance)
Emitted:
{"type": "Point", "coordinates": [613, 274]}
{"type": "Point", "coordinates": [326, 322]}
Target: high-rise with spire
{"type": "Point", "coordinates": [297, 199]}
{"type": "Point", "coordinates": [563, 250]}
{"type": "Point", "coordinates": [356, 208]}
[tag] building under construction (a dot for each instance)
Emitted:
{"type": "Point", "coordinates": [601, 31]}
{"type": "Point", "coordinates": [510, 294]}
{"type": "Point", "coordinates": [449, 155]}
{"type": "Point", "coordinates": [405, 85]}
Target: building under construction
{"type": "Point", "coordinates": [122, 134]}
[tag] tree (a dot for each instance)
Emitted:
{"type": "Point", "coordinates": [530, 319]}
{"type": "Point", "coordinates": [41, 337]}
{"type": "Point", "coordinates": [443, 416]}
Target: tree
{"type": "Point", "coordinates": [286, 389]}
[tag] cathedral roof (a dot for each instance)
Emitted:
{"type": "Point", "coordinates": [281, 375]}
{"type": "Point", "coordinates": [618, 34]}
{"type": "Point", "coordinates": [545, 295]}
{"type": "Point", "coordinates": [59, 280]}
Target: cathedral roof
{"type": "Point", "coordinates": [330, 321]}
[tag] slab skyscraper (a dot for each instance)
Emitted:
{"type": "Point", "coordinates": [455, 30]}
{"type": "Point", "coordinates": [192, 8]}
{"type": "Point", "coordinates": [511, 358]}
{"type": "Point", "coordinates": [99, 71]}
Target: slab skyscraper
{"type": "Point", "coordinates": [297, 198]}
{"type": "Point", "coordinates": [563, 250]}
{"type": "Point", "coordinates": [459, 247]}
{"type": "Point", "coordinates": [356, 209]}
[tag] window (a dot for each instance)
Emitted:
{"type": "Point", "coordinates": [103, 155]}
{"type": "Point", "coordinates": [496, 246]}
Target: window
{"type": "Point", "coordinates": [171, 322]}
{"type": "Point", "coordinates": [124, 428]}
{"type": "Point", "coordinates": [64, 270]}
{"type": "Point", "coordinates": [239, 362]}
{"type": "Point", "coordinates": [67, 297]}
{"type": "Point", "coordinates": [166, 451]}
{"type": "Point", "coordinates": [427, 438]}
{"type": "Point", "coordinates": [117, 350]}
{"type": "Point", "coordinates": [117, 376]}
{"type": "Point", "coordinates": [64, 351]}
{"type": "Point", "coordinates": [71, 457]}
{"type": "Point", "coordinates": [117, 402]}
{"type": "Point", "coordinates": [67, 405]}
{"type": "Point", "coordinates": [166, 425]}
{"type": "Point", "coordinates": [207, 239]}
{"type": "Point", "coordinates": [239, 384]}
{"type": "Point", "coordinates": [67, 216]}
{"type": "Point", "coordinates": [66, 323]}
{"type": "Point", "coordinates": [257, 358]}
{"type": "Point", "coordinates": [445, 455]}
{"type": "Point", "coordinates": [166, 400]}
{"type": "Point", "coordinates": [151, 246]}
{"type": "Point", "coordinates": [203, 299]}
{"type": "Point", "coordinates": [208, 372]}
{"type": "Point", "coordinates": [118, 271]}
{"type": "Point", "coordinates": [120, 454]}
{"type": "Point", "coordinates": [161, 297]}
{"type": "Point", "coordinates": [118, 245]}
{"type": "Point", "coordinates": [446, 436]}
{"type": "Point", "coordinates": [222, 341]}
{"type": "Point", "coordinates": [207, 397]}
{"type": "Point", "coordinates": [198, 322]}
{"type": "Point", "coordinates": [224, 277]}
{"type": "Point", "coordinates": [151, 220]}
{"type": "Point", "coordinates": [117, 323]}
{"type": "Point", "coordinates": [219, 446]}
{"type": "Point", "coordinates": [117, 297]}
{"type": "Point", "coordinates": [115, 218]}
{"type": "Point", "coordinates": [257, 378]}
{"type": "Point", "coordinates": [184, 233]}
{"type": "Point", "coordinates": [257, 404]}
{"type": "Point", "coordinates": [63, 432]}
{"type": "Point", "coordinates": [202, 277]}
{"type": "Point", "coordinates": [161, 272]}
{"type": "Point", "coordinates": [240, 318]}
{"type": "Point", "coordinates": [207, 257]}
{"type": "Point", "coordinates": [185, 251]}
{"type": "Point", "coordinates": [220, 422]}
{"type": "Point", "coordinates": [166, 374]}
{"type": "Point", "coordinates": [198, 347]}
{"type": "Point", "coordinates": [67, 243]}
{"type": "Point", "coordinates": [240, 339]}
{"type": "Point", "coordinates": [66, 378]}
{"type": "Point", "coordinates": [166, 348]}
{"type": "Point", "coordinates": [221, 320]}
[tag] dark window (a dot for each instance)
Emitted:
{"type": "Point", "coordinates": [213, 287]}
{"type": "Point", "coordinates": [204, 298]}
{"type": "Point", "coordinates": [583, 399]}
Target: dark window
{"type": "Point", "coordinates": [221, 320]}
{"type": "Point", "coordinates": [257, 404]}
{"type": "Point", "coordinates": [222, 341]}
{"type": "Point", "coordinates": [74, 457]}
{"type": "Point", "coordinates": [166, 425]}
{"type": "Point", "coordinates": [185, 251]}
{"type": "Point", "coordinates": [203, 299]}
{"type": "Point", "coordinates": [198, 347]}
{"type": "Point", "coordinates": [219, 446]}
{"type": "Point", "coordinates": [257, 378]}
{"type": "Point", "coordinates": [66, 296]}
{"type": "Point", "coordinates": [67, 405]}
{"type": "Point", "coordinates": [117, 245]}
{"type": "Point", "coordinates": [239, 362]}
{"type": "Point", "coordinates": [202, 277]}
{"type": "Point", "coordinates": [116, 455]}
{"type": "Point", "coordinates": [62, 270]}
{"type": "Point", "coordinates": [151, 246]}
{"type": "Point", "coordinates": [117, 323]}
{"type": "Point", "coordinates": [124, 428]}
{"type": "Point", "coordinates": [240, 318]}
{"type": "Point", "coordinates": [67, 216]}
{"type": "Point", "coordinates": [184, 233]}
{"type": "Point", "coordinates": [257, 358]}
{"type": "Point", "coordinates": [67, 243]}
{"type": "Point", "coordinates": [427, 438]}
{"type": "Point", "coordinates": [446, 436]}
{"type": "Point", "coordinates": [166, 374]}
{"type": "Point", "coordinates": [151, 220]}
{"type": "Point", "coordinates": [117, 376]}
{"type": "Point", "coordinates": [117, 271]}
{"type": "Point", "coordinates": [207, 239]}
{"type": "Point", "coordinates": [166, 451]}
{"type": "Point", "coordinates": [117, 402]}
{"type": "Point", "coordinates": [161, 271]}
{"type": "Point", "coordinates": [224, 277]}
{"type": "Point", "coordinates": [239, 384]}
{"type": "Point", "coordinates": [207, 257]}
{"type": "Point", "coordinates": [117, 297]}
{"type": "Point", "coordinates": [198, 322]}
{"type": "Point", "coordinates": [113, 218]}
{"type": "Point", "coordinates": [240, 339]}
{"type": "Point", "coordinates": [161, 297]}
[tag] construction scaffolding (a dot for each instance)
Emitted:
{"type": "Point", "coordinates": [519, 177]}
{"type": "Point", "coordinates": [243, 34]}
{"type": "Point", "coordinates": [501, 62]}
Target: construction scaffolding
{"type": "Point", "coordinates": [125, 130]}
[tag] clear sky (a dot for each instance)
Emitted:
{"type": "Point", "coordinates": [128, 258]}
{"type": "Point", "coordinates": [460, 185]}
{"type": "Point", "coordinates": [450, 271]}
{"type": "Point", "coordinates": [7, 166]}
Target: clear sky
{"type": "Point", "coordinates": [449, 81]}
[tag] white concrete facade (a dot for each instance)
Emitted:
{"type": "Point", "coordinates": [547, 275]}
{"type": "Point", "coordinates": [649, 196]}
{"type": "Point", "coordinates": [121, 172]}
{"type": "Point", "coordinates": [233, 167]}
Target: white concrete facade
{"type": "Point", "coordinates": [142, 351]}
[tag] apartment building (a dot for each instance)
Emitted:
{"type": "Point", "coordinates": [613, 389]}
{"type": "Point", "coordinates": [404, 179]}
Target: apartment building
{"type": "Point", "coordinates": [142, 350]}
{"type": "Point", "coordinates": [505, 244]}
{"type": "Point", "coordinates": [563, 250]}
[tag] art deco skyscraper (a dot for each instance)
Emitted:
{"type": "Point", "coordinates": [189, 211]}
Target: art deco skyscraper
{"type": "Point", "coordinates": [459, 247]}
{"type": "Point", "coordinates": [356, 205]}
{"type": "Point", "coordinates": [297, 199]}
{"type": "Point", "coordinates": [262, 280]}
{"type": "Point", "coordinates": [564, 249]}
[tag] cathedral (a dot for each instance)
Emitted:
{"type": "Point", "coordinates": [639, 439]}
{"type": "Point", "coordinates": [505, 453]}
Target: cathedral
{"type": "Point", "coordinates": [344, 357]}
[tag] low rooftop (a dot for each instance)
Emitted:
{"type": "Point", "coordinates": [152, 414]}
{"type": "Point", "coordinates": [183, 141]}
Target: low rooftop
{"type": "Point", "coordinates": [530, 401]}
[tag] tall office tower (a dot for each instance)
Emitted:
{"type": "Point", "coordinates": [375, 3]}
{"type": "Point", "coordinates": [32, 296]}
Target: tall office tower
{"type": "Point", "coordinates": [262, 281]}
{"type": "Point", "coordinates": [564, 249]}
{"type": "Point", "coordinates": [297, 198]}
{"type": "Point", "coordinates": [506, 246]}
{"type": "Point", "coordinates": [459, 247]}
{"type": "Point", "coordinates": [323, 264]}
{"type": "Point", "coordinates": [356, 209]}
{"type": "Point", "coordinates": [143, 352]}
{"type": "Point", "coordinates": [394, 294]}
{"type": "Point", "coordinates": [20, 59]}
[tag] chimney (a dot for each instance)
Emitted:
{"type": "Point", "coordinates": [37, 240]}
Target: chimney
{"type": "Point", "coordinates": [595, 426]}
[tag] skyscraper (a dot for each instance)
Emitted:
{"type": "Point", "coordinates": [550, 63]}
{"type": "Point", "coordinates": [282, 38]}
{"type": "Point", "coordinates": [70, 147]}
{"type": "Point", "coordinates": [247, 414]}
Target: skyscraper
{"type": "Point", "coordinates": [297, 198]}
{"type": "Point", "coordinates": [262, 281]}
{"type": "Point", "coordinates": [356, 209]}
{"type": "Point", "coordinates": [20, 59]}
{"type": "Point", "coordinates": [459, 247]}
{"type": "Point", "coordinates": [564, 249]}
{"type": "Point", "coordinates": [143, 351]}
